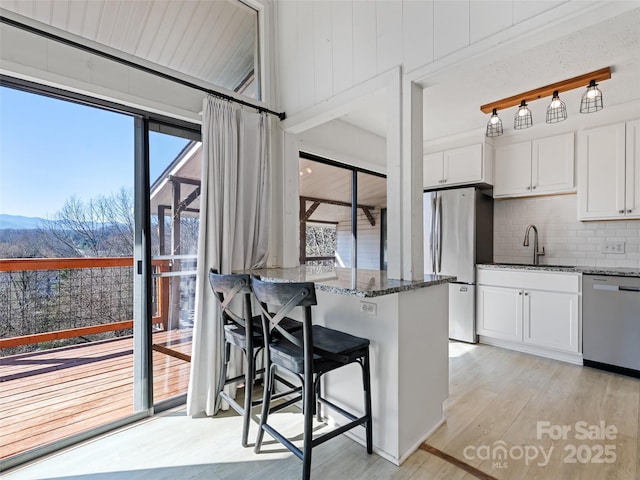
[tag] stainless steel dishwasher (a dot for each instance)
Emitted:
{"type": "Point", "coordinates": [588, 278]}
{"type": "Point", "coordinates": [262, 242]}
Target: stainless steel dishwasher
{"type": "Point", "coordinates": [611, 323]}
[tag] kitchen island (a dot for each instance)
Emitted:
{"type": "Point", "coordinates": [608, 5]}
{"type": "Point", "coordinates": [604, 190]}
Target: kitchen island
{"type": "Point", "coordinates": [407, 324]}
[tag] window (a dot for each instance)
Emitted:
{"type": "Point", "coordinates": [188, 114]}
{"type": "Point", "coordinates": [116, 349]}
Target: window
{"type": "Point", "coordinates": [334, 230]}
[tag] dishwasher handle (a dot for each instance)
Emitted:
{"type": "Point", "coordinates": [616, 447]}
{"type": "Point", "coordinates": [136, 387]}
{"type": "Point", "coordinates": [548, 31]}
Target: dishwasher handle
{"type": "Point", "coordinates": [615, 288]}
{"type": "Point", "coordinates": [629, 289]}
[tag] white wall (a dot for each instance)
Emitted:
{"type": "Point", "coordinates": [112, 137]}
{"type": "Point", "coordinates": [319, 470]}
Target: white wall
{"type": "Point", "coordinates": [340, 141]}
{"type": "Point", "coordinates": [566, 240]}
{"type": "Point", "coordinates": [329, 46]}
{"type": "Point", "coordinates": [368, 241]}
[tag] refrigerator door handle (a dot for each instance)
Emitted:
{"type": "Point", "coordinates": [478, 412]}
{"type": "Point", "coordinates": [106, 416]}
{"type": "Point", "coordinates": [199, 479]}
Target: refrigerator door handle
{"type": "Point", "coordinates": [433, 235]}
{"type": "Point", "coordinates": [439, 234]}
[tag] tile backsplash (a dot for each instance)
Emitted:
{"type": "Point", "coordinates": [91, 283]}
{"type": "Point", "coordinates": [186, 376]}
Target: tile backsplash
{"type": "Point", "coordinates": [566, 240]}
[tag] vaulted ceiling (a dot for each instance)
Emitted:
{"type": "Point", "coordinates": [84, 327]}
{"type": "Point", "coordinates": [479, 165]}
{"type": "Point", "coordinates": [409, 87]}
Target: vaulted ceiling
{"type": "Point", "coordinates": [214, 41]}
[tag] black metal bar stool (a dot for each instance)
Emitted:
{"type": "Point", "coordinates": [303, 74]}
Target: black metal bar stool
{"type": "Point", "coordinates": [243, 332]}
{"type": "Point", "coordinates": [308, 353]}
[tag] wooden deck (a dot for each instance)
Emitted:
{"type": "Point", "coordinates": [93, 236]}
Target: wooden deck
{"type": "Point", "coordinates": [52, 394]}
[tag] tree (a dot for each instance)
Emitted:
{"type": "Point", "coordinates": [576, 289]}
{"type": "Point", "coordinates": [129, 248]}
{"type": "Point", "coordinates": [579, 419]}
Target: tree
{"type": "Point", "coordinates": [41, 301]}
{"type": "Point", "coordinates": [101, 227]}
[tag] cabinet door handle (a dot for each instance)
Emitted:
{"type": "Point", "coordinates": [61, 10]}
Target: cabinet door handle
{"type": "Point", "coordinates": [526, 294]}
{"type": "Point", "coordinates": [620, 211]}
{"type": "Point", "coordinates": [529, 188]}
{"type": "Point", "coordinates": [630, 210]}
{"type": "Point", "coordinates": [519, 293]}
{"type": "Point", "coordinates": [534, 187]}
{"type": "Point", "coordinates": [444, 180]}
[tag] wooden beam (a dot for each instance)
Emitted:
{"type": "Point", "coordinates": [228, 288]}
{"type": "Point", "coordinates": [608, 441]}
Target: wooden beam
{"type": "Point", "coordinates": [310, 211]}
{"type": "Point", "coordinates": [190, 181]}
{"type": "Point", "coordinates": [335, 202]}
{"type": "Point", "coordinates": [367, 214]}
{"type": "Point", "coordinates": [184, 204]}
{"type": "Point", "coordinates": [547, 90]}
{"type": "Point", "coordinates": [303, 232]}
{"type": "Point", "coordinates": [323, 222]}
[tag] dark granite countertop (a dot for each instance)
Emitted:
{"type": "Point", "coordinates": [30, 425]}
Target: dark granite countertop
{"type": "Point", "coordinates": [606, 271]}
{"type": "Point", "coordinates": [348, 281]}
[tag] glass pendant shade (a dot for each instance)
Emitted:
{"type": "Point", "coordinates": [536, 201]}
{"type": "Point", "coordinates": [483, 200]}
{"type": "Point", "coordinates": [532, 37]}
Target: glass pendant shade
{"type": "Point", "coordinates": [557, 109]}
{"type": "Point", "coordinates": [494, 125]}
{"type": "Point", "coordinates": [523, 118]}
{"type": "Point", "coordinates": [591, 99]}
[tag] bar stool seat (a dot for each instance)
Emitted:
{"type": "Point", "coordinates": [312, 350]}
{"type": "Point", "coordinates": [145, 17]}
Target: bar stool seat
{"type": "Point", "coordinates": [243, 332]}
{"type": "Point", "coordinates": [309, 354]}
{"type": "Point", "coordinates": [332, 349]}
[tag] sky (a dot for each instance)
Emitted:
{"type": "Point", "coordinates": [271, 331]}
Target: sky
{"type": "Point", "coordinates": [52, 149]}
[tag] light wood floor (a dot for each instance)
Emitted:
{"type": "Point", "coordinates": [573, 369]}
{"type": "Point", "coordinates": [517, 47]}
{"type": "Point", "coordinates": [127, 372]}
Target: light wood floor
{"type": "Point", "coordinates": [495, 396]}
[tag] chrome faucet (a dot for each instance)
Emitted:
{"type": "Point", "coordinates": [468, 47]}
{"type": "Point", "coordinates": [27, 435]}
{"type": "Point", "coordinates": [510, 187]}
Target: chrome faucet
{"type": "Point", "coordinates": [536, 253]}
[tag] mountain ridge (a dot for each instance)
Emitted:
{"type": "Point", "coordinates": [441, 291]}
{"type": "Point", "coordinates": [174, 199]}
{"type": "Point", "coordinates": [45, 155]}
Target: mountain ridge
{"type": "Point", "coordinates": [20, 222]}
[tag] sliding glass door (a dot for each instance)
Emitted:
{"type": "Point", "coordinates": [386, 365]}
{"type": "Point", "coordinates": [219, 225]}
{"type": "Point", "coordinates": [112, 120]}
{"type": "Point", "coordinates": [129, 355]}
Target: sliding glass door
{"type": "Point", "coordinates": [175, 158]}
{"type": "Point", "coordinates": [98, 241]}
{"type": "Point", "coordinates": [67, 295]}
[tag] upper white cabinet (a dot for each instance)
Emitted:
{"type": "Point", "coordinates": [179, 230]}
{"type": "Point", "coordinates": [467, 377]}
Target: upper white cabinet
{"type": "Point", "coordinates": [458, 166]}
{"type": "Point", "coordinates": [538, 167]}
{"type": "Point", "coordinates": [513, 170]}
{"type": "Point", "coordinates": [609, 172]}
{"type": "Point", "coordinates": [552, 167]}
{"type": "Point", "coordinates": [433, 169]}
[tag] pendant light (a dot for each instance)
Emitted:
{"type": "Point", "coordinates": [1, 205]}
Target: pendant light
{"type": "Point", "coordinates": [523, 119]}
{"type": "Point", "coordinates": [557, 109]}
{"type": "Point", "coordinates": [591, 99]}
{"type": "Point", "coordinates": [494, 125]}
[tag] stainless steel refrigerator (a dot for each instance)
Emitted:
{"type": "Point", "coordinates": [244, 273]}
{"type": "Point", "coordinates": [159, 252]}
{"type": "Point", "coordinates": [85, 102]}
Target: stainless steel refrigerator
{"type": "Point", "coordinates": [458, 233]}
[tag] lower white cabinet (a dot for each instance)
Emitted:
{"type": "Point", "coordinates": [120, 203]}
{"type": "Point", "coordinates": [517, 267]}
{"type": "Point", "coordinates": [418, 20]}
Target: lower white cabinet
{"type": "Point", "coordinates": [551, 320]}
{"type": "Point", "coordinates": [535, 312]}
{"type": "Point", "coordinates": [499, 312]}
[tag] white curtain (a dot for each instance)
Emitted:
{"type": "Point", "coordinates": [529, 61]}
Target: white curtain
{"type": "Point", "coordinates": [234, 222]}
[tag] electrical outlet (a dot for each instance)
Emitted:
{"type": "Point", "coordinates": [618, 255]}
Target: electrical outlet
{"type": "Point", "coordinates": [613, 247]}
{"type": "Point", "coordinates": [368, 307]}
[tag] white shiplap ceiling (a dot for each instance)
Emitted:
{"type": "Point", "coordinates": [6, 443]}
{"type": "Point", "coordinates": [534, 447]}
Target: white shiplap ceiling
{"type": "Point", "coordinates": [211, 40]}
{"type": "Point", "coordinates": [452, 100]}
{"type": "Point", "coordinates": [319, 180]}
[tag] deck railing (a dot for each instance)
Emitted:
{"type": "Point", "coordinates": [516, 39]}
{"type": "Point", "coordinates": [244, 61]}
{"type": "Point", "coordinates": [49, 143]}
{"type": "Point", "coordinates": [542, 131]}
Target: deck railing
{"type": "Point", "coordinates": [48, 299]}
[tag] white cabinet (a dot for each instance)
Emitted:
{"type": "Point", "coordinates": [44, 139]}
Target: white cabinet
{"type": "Point", "coordinates": [536, 312]}
{"type": "Point", "coordinates": [433, 169]}
{"type": "Point", "coordinates": [538, 167]}
{"type": "Point", "coordinates": [551, 319]}
{"type": "Point", "coordinates": [458, 166]}
{"type": "Point", "coordinates": [499, 312]}
{"type": "Point", "coordinates": [609, 172]}
{"type": "Point", "coordinates": [552, 164]}
{"type": "Point", "coordinates": [513, 170]}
